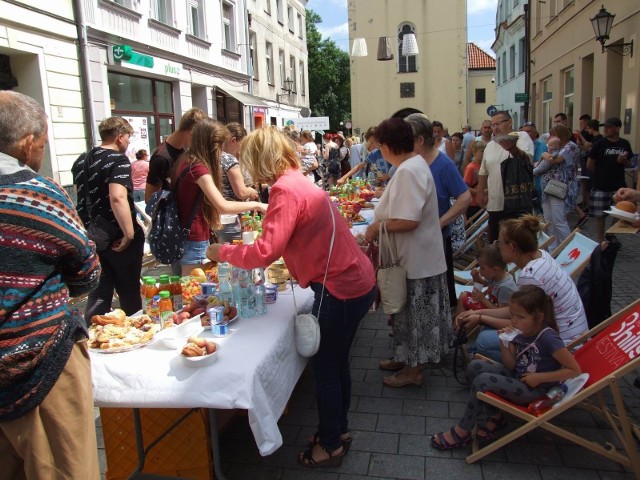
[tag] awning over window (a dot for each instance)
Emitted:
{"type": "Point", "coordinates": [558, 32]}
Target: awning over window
{"type": "Point", "coordinates": [245, 98]}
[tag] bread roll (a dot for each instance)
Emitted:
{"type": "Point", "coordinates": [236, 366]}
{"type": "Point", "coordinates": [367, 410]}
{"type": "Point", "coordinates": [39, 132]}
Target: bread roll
{"type": "Point", "coordinates": [193, 350]}
{"type": "Point", "coordinates": [626, 206]}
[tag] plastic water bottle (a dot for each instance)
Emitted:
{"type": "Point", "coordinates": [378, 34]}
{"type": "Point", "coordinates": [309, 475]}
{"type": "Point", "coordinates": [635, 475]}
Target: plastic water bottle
{"type": "Point", "coordinates": [225, 290]}
{"type": "Point", "coordinates": [259, 291]}
{"type": "Point", "coordinates": [245, 292]}
{"type": "Point", "coordinates": [234, 285]}
{"type": "Point", "coordinates": [544, 404]}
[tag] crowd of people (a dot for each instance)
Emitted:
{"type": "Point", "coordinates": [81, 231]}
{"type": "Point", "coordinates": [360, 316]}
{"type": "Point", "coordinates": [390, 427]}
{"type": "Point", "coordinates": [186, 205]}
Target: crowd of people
{"type": "Point", "coordinates": [432, 183]}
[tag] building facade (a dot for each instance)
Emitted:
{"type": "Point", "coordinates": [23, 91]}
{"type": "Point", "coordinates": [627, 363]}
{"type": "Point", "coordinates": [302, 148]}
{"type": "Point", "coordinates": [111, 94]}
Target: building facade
{"type": "Point", "coordinates": [433, 81]}
{"type": "Point", "coordinates": [569, 71]}
{"type": "Point", "coordinates": [39, 58]}
{"type": "Point", "coordinates": [511, 58]}
{"type": "Point", "coordinates": [481, 69]}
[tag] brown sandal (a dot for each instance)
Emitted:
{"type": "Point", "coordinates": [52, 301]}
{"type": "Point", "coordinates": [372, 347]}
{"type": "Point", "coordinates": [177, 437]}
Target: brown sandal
{"type": "Point", "coordinates": [305, 458]}
{"type": "Point", "coordinates": [400, 380]}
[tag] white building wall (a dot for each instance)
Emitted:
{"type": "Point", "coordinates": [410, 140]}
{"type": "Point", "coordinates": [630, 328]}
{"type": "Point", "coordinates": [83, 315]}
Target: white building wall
{"type": "Point", "coordinates": [510, 28]}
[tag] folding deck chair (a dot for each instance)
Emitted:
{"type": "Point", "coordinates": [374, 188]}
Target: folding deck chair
{"type": "Point", "coordinates": [574, 253]}
{"type": "Point", "coordinates": [608, 352]}
{"type": "Point", "coordinates": [474, 234]}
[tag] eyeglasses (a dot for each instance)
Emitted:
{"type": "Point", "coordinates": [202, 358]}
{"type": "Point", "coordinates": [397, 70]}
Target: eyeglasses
{"type": "Point", "coordinates": [493, 125]}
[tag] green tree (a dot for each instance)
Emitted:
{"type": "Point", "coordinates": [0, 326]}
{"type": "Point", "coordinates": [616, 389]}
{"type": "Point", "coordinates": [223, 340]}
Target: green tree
{"type": "Point", "coordinates": [329, 76]}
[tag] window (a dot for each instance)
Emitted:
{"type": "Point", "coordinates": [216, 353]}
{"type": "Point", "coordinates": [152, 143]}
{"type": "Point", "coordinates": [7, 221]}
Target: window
{"type": "Point", "coordinates": [552, 9]}
{"type": "Point", "coordinates": [406, 63]}
{"type": "Point", "coordinates": [515, 2]}
{"type": "Point", "coordinates": [281, 67]}
{"type": "Point", "coordinates": [124, 3]}
{"type": "Point", "coordinates": [504, 67]}
{"type": "Point", "coordinates": [547, 97]}
{"type": "Point", "coordinates": [568, 88]}
{"type": "Point", "coordinates": [538, 7]}
{"type": "Point", "coordinates": [300, 27]}
{"type": "Point", "coordinates": [291, 19]}
{"type": "Point", "coordinates": [253, 51]}
{"type": "Point", "coordinates": [303, 87]}
{"type": "Point", "coordinates": [163, 11]}
{"type": "Point", "coordinates": [498, 69]}
{"type": "Point", "coordinates": [293, 77]}
{"type": "Point", "coordinates": [267, 7]}
{"type": "Point", "coordinates": [195, 18]}
{"type": "Point", "coordinates": [280, 11]}
{"type": "Point", "coordinates": [512, 61]}
{"type": "Point", "coordinates": [269, 58]}
{"type": "Point", "coordinates": [228, 27]}
{"type": "Point", "coordinates": [522, 59]}
{"type": "Point", "coordinates": [481, 95]}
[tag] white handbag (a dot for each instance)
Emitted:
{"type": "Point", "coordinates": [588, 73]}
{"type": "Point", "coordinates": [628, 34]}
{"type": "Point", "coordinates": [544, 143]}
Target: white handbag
{"type": "Point", "coordinates": [556, 188]}
{"type": "Point", "coordinates": [391, 277]}
{"type": "Point", "coordinates": [307, 327]}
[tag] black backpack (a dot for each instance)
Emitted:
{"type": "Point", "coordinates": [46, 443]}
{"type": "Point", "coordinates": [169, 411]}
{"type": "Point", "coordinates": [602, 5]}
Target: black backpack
{"type": "Point", "coordinates": [167, 235]}
{"type": "Point", "coordinates": [333, 165]}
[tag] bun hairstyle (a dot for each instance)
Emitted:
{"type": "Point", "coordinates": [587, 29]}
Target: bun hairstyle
{"type": "Point", "coordinates": [140, 154]}
{"type": "Point", "coordinates": [535, 300]}
{"type": "Point", "coordinates": [522, 232]}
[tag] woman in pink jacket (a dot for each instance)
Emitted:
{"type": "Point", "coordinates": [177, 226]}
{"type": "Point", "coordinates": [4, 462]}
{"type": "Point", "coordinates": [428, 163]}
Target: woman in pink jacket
{"type": "Point", "coordinates": [298, 226]}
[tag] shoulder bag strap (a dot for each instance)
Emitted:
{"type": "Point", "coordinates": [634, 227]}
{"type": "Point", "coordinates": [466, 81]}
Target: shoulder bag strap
{"type": "Point", "coordinates": [386, 244]}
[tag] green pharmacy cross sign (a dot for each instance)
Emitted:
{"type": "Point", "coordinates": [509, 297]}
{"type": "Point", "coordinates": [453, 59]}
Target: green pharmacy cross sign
{"type": "Point", "coordinates": [124, 53]}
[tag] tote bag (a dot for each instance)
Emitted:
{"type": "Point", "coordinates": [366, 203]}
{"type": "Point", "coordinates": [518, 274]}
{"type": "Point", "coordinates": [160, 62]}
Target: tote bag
{"type": "Point", "coordinates": [392, 278]}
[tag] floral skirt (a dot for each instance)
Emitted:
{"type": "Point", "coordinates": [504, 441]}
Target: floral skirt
{"type": "Point", "coordinates": [423, 331]}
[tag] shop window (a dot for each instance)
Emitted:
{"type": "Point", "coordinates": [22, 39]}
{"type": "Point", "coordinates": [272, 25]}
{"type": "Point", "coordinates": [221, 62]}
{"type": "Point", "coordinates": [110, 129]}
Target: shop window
{"type": "Point", "coordinates": [228, 27]}
{"type": "Point", "coordinates": [163, 11]}
{"type": "Point", "coordinates": [195, 18]}
{"type": "Point", "coordinates": [481, 95]}
{"type": "Point", "coordinates": [228, 109]}
{"type": "Point", "coordinates": [406, 63]}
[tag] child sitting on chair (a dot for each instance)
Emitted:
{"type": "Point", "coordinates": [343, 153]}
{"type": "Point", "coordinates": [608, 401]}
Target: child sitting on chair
{"type": "Point", "coordinates": [492, 273]}
{"type": "Point", "coordinates": [532, 363]}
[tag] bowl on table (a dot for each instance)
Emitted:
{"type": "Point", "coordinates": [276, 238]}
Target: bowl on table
{"type": "Point", "coordinates": [197, 362]}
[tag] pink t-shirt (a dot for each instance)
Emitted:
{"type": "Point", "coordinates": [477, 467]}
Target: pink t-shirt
{"type": "Point", "coordinates": [139, 171]}
{"type": "Point", "coordinates": [298, 227]}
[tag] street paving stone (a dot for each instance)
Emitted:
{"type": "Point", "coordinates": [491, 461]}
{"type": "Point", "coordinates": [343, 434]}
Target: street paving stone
{"type": "Point", "coordinates": [392, 428]}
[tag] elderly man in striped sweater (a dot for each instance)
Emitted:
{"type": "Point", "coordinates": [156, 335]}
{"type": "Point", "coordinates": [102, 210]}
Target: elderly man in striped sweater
{"type": "Point", "coordinates": [47, 427]}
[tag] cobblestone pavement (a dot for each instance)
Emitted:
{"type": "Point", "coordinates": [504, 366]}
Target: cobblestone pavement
{"type": "Point", "coordinates": [392, 427]}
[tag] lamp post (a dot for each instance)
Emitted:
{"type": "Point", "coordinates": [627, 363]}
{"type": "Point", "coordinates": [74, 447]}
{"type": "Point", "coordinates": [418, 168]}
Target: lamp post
{"type": "Point", "coordinates": [602, 24]}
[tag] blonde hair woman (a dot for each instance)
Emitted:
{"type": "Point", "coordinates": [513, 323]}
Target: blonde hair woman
{"type": "Point", "coordinates": [290, 229]}
{"type": "Point", "coordinates": [198, 179]}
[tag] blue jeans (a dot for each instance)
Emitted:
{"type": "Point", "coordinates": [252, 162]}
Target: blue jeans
{"type": "Point", "coordinates": [195, 252]}
{"type": "Point", "coordinates": [488, 344]}
{"type": "Point", "coordinates": [339, 321]}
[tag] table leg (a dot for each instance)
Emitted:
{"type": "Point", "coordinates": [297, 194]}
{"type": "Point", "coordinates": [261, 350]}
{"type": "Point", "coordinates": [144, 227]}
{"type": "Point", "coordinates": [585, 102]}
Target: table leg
{"type": "Point", "coordinates": [215, 445]}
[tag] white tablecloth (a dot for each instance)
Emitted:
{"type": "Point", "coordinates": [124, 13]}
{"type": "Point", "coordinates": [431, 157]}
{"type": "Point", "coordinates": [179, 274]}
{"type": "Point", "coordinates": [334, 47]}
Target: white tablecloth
{"type": "Point", "coordinates": [257, 369]}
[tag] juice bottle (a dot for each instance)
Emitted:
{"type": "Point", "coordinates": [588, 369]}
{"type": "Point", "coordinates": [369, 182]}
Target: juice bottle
{"type": "Point", "coordinates": [153, 309]}
{"type": "Point", "coordinates": [148, 290]}
{"type": "Point", "coordinates": [176, 291]}
{"type": "Point", "coordinates": [166, 307]}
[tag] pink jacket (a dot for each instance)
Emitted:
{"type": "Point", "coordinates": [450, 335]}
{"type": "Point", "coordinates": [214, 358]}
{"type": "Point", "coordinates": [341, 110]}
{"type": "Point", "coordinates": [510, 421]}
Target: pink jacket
{"type": "Point", "coordinates": [298, 227]}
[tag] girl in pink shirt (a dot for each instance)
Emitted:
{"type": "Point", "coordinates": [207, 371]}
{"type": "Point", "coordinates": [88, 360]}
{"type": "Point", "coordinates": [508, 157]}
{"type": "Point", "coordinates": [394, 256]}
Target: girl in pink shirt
{"type": "Point", "coordinates": [298, 226]}
{"type": "Point", "coordinates": [139, 171]}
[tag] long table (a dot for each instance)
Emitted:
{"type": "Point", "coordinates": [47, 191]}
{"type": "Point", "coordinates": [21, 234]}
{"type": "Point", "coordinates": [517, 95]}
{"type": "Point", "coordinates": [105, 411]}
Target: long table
{"type": "Point", "coordinates": [257, 369]}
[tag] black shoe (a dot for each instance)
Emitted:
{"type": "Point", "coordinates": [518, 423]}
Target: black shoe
{"type": "Point", "coordinates": [581, 221]}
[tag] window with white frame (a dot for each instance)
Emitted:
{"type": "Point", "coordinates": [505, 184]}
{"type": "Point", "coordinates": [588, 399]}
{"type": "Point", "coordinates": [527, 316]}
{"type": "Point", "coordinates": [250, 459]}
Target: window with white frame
{"type": "Point", "coordinates": [269, 57]}
{"type": "Point", "coordinates": [547, 97]}
{"type": "Point", "coordinates": [504, 67]}
{"type": "Point", "coordinates": [195, 18]}
{"type": "Point", "coordinates": [300, 27]}
{"type": "Point", "coordinates": [267, 7]}
{"type": "Point", "coordinates": [512, 61]}
{"type": "Point", "coordinates": [498, 66]}
{"type": "Point", "coordinates": [124, 3]}
{"type": "Point", "coordinates": [291, 19]}
{"type": "Point", "coordinates": [568, 91]}
{"type": "Point", "coordinates": [280, 11]}
{"type": "Point", "coordinates": [406, 63]}
{"type": "Point", "coordinates": [522, 59]}
{"type": "Point", "coordinates": [294, 79]}
{"type": "Point", "coordinates": [253, 50]}
{"type": "Point", "coordinates": [163, 11]}
{"type": "Point", "coordinates": [228, 26]}
{"type": "Point", "coordinates": [552, 8]}
{"type": "Point", "coordinates": [303, 87]}
{"type": "Point", "coordinates": [282, 68]}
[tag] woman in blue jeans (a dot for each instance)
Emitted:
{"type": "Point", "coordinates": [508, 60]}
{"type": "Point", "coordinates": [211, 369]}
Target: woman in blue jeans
{"type": "Point", "coordinates": [301, 225]}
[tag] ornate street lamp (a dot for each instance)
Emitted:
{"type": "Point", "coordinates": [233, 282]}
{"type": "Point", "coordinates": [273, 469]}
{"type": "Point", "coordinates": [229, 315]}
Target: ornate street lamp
{"type": "Point", "coordinates": [602, 24]}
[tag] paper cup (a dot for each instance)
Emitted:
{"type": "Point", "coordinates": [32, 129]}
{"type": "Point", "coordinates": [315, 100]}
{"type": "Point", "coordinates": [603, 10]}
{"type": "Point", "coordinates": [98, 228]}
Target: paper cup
{"type": "Point", "coordinates": [226, 219]}
{"type": "Point", "coordinates": [477, 286]}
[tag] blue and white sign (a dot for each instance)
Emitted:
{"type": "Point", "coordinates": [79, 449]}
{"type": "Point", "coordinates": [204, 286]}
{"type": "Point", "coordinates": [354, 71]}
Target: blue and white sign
{"type": "Point", "coordinates": [491, 110]}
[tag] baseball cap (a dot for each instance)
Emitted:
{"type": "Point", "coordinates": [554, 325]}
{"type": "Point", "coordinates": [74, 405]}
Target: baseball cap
{"type": "Point", "coordinates": [612, 122]}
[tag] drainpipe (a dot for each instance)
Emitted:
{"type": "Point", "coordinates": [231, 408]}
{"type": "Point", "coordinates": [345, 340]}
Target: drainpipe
{"type": "Point", "coordinates": [247, 48]}
{"type": "Point", "coordinates": [87, 94]}
{"type": "Point", "coordinates": [527, 63]}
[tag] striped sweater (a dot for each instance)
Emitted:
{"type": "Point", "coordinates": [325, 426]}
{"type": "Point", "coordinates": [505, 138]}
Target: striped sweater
{"type": "Point", "coordinates": [44, 251]}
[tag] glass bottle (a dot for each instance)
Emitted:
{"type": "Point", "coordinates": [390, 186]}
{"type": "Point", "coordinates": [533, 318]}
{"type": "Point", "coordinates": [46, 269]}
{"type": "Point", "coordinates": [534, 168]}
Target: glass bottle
{"type": "Point", "coordinates": [544, 403]}
{"type": "Point", "coordinates": [225, 289]}
{"type": "Point", "coordinates": [245, 294]}
{"type": "Point", "coordinates": [176, 292]}
{"type": "Point", "coordinates": [148, 291]}
{"type": "Point", "coordinates": [166, 307]}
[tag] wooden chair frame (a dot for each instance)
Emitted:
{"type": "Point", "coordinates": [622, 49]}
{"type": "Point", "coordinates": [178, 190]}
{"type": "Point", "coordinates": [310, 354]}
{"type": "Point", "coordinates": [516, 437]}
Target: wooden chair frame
{"type": "Point", "coordinates": [590, 398]}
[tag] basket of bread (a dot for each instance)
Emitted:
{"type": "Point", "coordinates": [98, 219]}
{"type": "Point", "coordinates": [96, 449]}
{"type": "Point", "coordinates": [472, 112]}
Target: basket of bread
{"type": "Point", "coordinates": [114, 332]}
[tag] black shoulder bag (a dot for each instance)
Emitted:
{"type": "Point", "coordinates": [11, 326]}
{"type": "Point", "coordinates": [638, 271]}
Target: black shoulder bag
{"type": "Point", "coordinates": [100, 230]}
